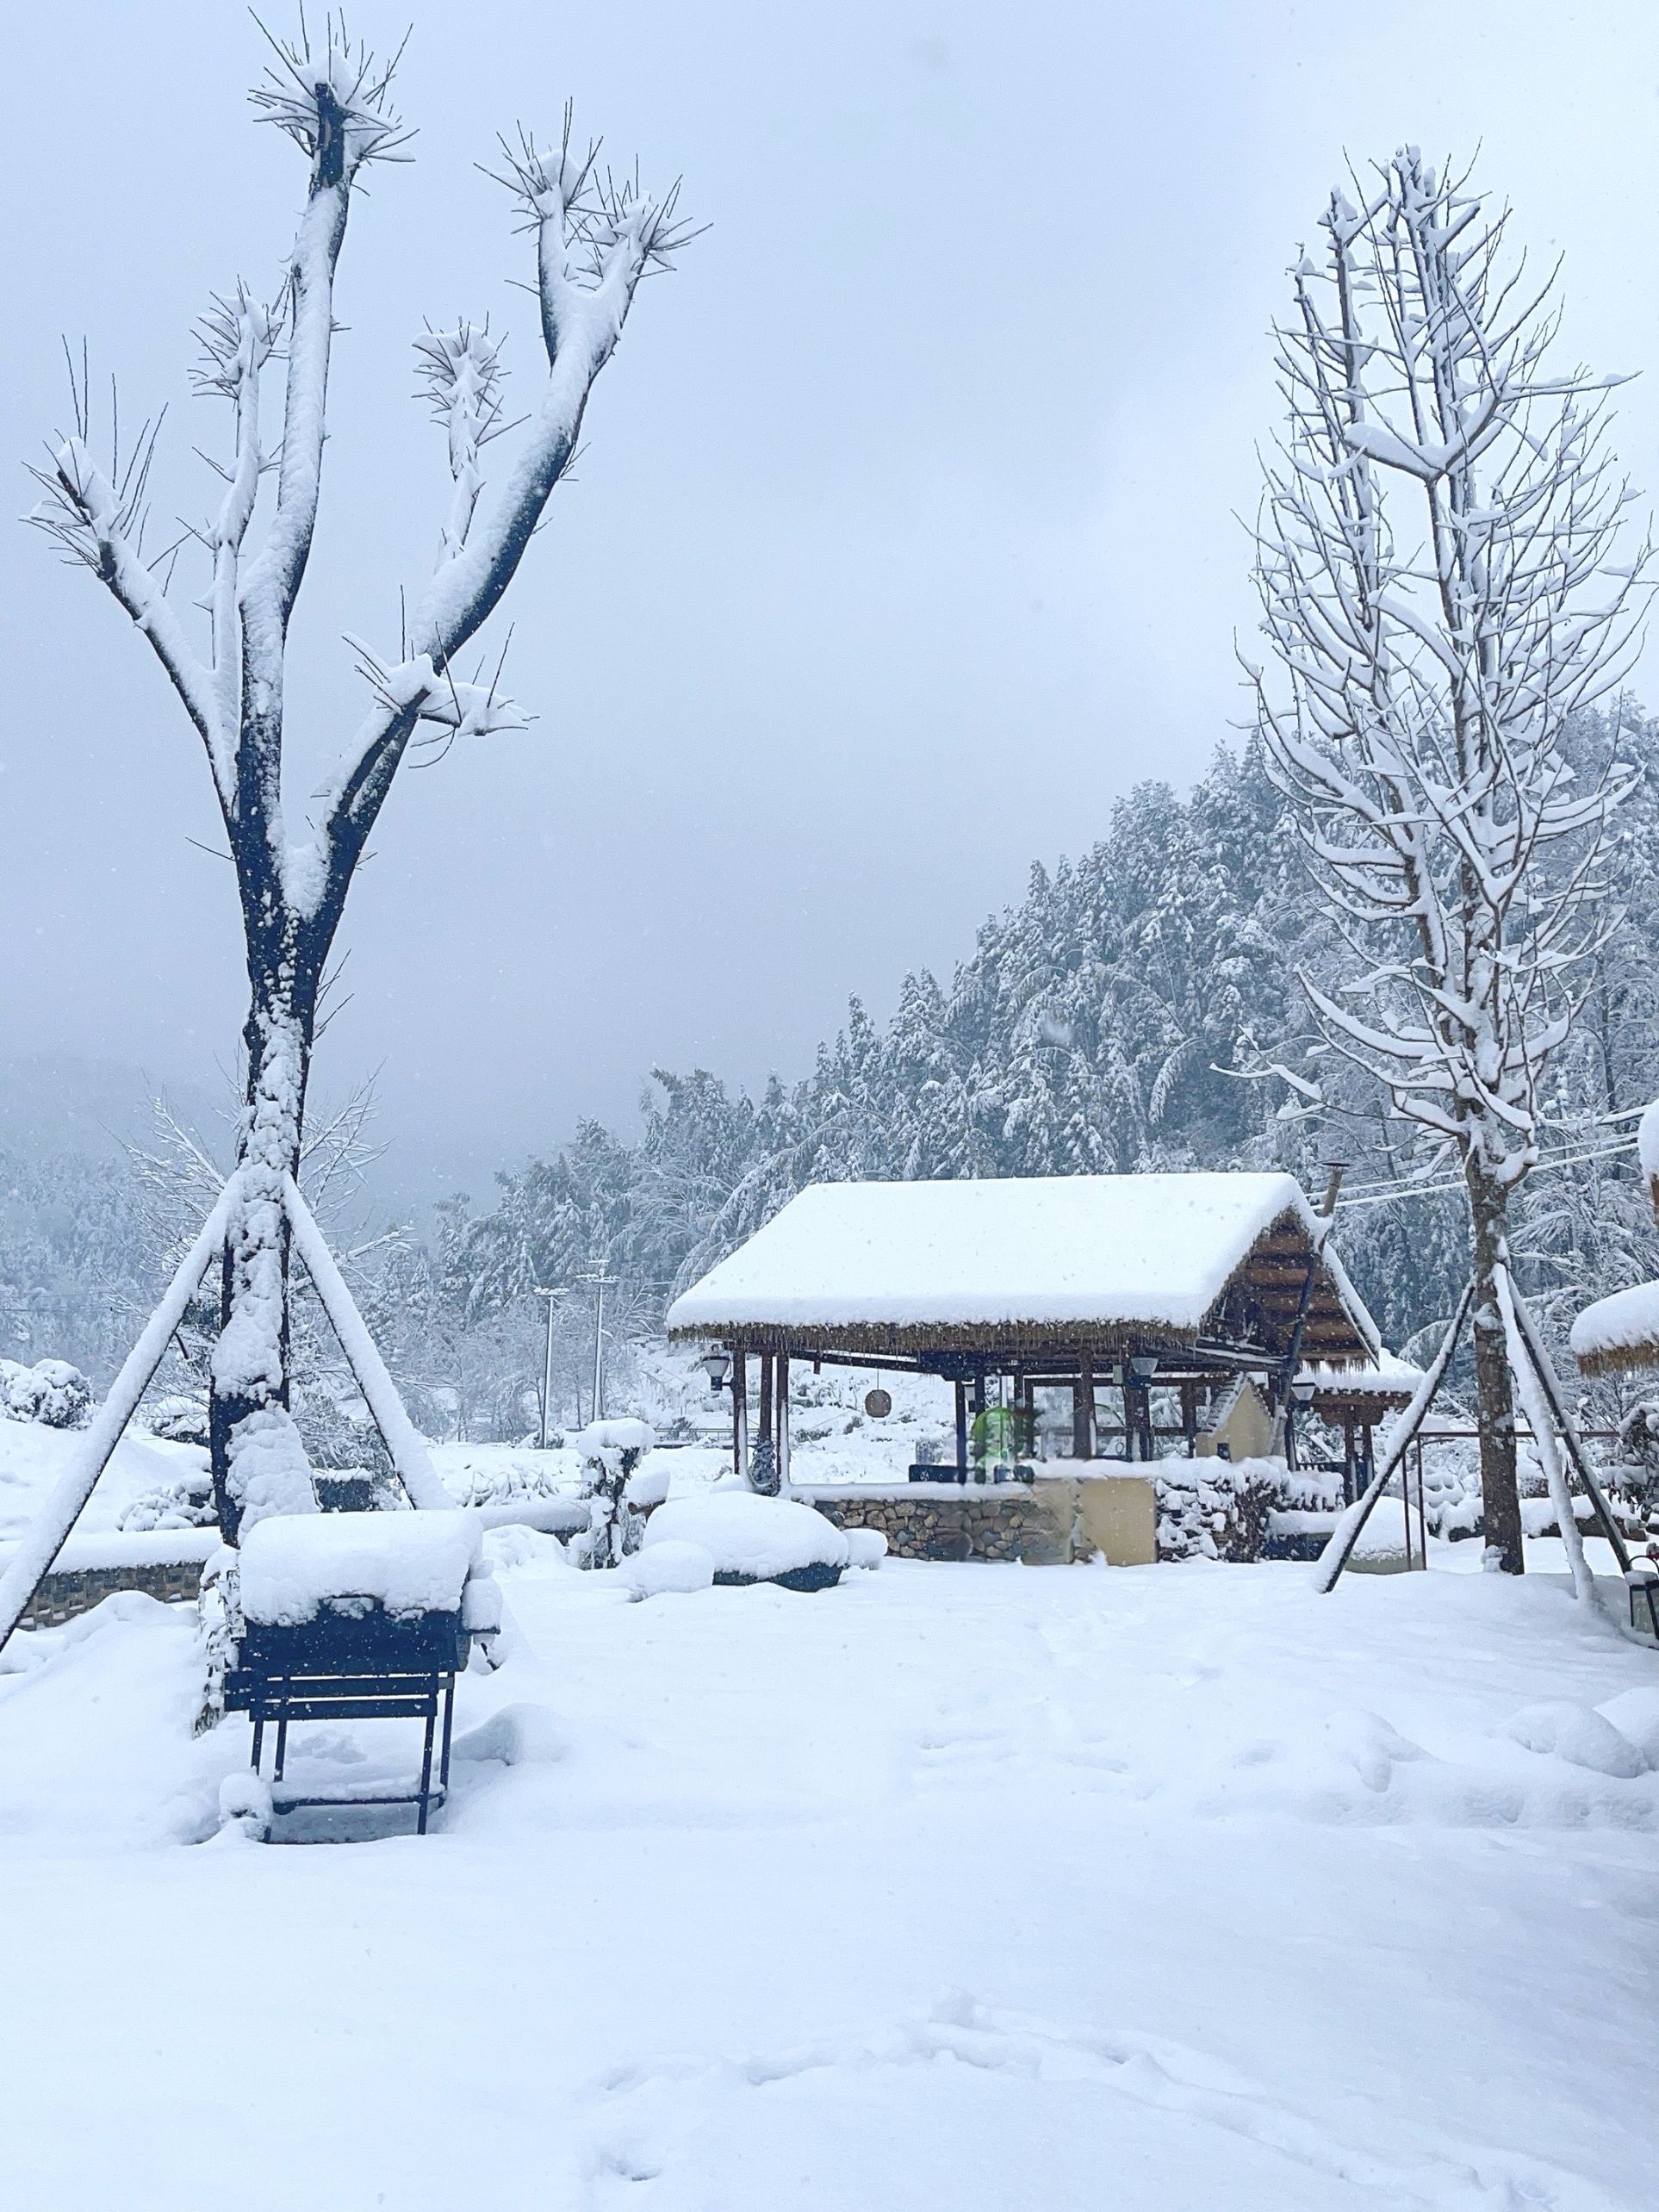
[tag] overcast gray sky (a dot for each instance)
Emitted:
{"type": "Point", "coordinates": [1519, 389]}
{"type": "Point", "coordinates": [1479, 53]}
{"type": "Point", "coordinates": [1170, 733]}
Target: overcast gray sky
{"type": "Point", "coordinates": [904, 538]}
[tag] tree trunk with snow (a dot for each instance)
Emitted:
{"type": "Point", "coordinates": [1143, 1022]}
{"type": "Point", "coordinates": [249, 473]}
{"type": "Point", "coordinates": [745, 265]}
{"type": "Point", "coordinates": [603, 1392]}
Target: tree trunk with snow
{"type": "Point", "coordinates": [595, 239]}
{"type": "Point", "coordinates": [1437, 581]}
{"type": "Point", "coordinates": [1494, 1382]}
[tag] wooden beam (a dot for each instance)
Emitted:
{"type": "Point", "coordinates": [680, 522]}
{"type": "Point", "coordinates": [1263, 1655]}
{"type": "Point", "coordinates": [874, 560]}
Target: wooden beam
{"type": "Point", "coordinates": [1082, 1408]}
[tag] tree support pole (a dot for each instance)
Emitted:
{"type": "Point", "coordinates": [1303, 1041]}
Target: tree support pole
{"type": "Point", "coordinates": [1569, 1428]}
{"type": "Point", "coordinates": [50, 1532]}
{"type": "Point", "coordinates": [403, 1440]}
{"type": "Point", "coordinates": [1339, 1550]}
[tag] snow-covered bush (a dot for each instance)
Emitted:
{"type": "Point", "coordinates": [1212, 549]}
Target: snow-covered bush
{"type": "Point", "coordinates": [611, 1451]}
{"type": "Point", "coordinates": [179, 1420]}
{"type": "Point", "coordinates": [51, 1392]}
{"type": "Point", "coordinates": [1257, 1488]}
{"type": "Point", "coordinates": [186, 1503]}
{"type": "Point", "coordinates": [1220, 1508]}
{"type": "Point", "coordinates": [754, 1539]}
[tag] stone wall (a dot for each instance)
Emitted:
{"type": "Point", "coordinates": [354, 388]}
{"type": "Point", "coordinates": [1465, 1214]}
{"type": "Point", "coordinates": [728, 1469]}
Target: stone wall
{"type": "Point", "coordinates": [78, 1589]}
{"type": "Point", "coordinates": [939, 1520]}
{"type": "Point", "coordinates": [1052, 1523]}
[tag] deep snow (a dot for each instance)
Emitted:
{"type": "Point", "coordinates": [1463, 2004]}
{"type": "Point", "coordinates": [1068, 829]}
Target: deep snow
{"type": "Point", "coordinates": [952, 1887]}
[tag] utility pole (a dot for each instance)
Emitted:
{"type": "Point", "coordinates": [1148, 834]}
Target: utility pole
{"type": "Point", "coordinates": [598, 1281]}
{"type": "Point", "coordinates": [547, 1369]}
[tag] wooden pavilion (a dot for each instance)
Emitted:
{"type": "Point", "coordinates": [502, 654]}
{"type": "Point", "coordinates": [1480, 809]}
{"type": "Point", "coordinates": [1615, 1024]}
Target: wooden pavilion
{"type": "Point", "coordinates": [1137, 1285]}
{"type": "Point", "coordinates": [1357, 1400]}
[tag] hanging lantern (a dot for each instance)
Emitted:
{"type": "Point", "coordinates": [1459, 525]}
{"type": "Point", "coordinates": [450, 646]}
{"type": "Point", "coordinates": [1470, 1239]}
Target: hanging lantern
{"type": "Point", "coordinates": [878, 1403]}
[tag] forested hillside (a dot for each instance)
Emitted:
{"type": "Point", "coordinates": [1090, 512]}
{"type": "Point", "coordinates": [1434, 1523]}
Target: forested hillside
{"type": "Point", "coordinates": [1120, 1018]}
{"type": "Point", "coordinates": [1125, 1014]}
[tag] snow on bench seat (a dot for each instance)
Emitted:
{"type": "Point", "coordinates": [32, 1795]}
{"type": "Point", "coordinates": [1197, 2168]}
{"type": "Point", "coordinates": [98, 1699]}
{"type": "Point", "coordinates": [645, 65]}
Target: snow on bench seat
{"type": "Point", "coordinates": [409, 1564]}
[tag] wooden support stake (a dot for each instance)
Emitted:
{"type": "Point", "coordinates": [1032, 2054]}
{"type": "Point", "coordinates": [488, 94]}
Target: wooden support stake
{"type": "Point", "coordinates": [1338, 1552]}
{"type": "Point", "coordinates": [1082, 1408]}
{"type": "Point", "coordinates": [1569, 1428]}
{"type": "Point", "coordinates": [46, 1537]}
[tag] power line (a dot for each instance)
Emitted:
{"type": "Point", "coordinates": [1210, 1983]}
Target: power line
{"type": "Point", "coordinates": [1385, 1194]}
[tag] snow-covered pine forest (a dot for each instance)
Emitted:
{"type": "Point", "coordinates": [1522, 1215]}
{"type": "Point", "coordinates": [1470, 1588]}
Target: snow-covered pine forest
{"type": "Point", "coordinates": [1139, 1009]}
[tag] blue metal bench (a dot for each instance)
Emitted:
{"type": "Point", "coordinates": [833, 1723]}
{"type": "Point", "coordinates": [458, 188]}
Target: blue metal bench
{"type": "Point", "coordinates": [353, 1661]}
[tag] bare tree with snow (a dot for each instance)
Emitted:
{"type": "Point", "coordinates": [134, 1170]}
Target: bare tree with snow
{"type": "Point", "coordinates": [595, 239]}
{"type": "Point", "coordinates": [1437, 574]}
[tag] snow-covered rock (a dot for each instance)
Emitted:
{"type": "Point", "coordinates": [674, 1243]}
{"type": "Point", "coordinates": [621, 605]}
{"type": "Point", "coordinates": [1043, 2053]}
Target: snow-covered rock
{"type": "Point", "coordinates": [751, 1538]}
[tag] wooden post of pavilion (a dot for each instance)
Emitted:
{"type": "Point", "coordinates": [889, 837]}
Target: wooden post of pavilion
{"type": "Point", "coordinates": [780, 1389]}
{"type": "Point", "coordinates": [740, 1409]}
{"type": "Point", "coordinates": [1082, 1408]}
{"type": "Point", "coordinates": [961, 1431]}
{"type": "Point", "coordinates": [766, 1386]}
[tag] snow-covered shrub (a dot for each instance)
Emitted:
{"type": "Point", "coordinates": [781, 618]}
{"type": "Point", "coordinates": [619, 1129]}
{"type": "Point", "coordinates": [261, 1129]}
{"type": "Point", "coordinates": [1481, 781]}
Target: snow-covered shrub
{"type": "Point", "coordinates": [221, 1627]}
{"type": "Point", "coordinates": [51, 1392]}
{"type": "Point", "coordinates": [763, 1468]}
{"type": "Point", "coordinates": [1257, 1488]}
{"type": "Point", "coordinates": [754, 1539]}
{"type": "Point", "coordinates": [1638, 1455]}
{"type": "Point", "coordinates": [1220, 1508]}
{"type": "Point", "coordinates": [179, 1420]}
{"type": "Point", "coordinates": [185, 1503]}
{"type": "Point", "coordinates": [1452, 1494]}
{"type": "Point", "coordinates": [611, 1451]}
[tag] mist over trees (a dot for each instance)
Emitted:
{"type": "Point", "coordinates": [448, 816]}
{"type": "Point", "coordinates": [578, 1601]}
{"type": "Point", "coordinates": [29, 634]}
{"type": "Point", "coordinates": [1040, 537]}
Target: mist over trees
{"type": "Point", "coordinates": [1127, 1014]}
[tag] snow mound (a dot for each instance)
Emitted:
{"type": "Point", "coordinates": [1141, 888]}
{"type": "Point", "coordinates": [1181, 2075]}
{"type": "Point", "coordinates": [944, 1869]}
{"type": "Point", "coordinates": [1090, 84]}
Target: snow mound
{"type": "Point", "coordinates": [1635, 1714]}
{"type": "Point", "coordinates": [748, 1536]}
{"type": "Point", "coordinates": [648, 1483]}
{"type": "Point", "coordinates": [866, 1547]}
{"type": "Point", "coordinates": [673, 1567]}
{"type": "Point", "coordinates": [515, 1545]}
{"type": "Point", "coordinates": [410, 1562]}
{"type": "Point", "coordinates": [246, 1807]}
{"type": "Point", "coordinates": [517, 1735]}
{"type": "Point", "coordinates": [1580, 1735]}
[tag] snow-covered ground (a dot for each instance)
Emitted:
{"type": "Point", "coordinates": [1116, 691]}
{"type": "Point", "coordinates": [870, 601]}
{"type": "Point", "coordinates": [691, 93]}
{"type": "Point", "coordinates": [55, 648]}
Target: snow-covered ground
{"type": "Point", "coordinates": [33, 1457]}
{"type": "Point", "coordinates": [953, 1887]}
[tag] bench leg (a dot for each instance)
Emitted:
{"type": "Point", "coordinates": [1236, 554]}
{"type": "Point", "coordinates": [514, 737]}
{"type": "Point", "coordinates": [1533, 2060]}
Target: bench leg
{"type": "Point", "coordinates": [282, 1744]}
{"type": "Point", "coordinates": [449, 1724]}
{"type": "Point", "coordinates": [258, 1737]}
{"type": "Point", "coordinates": [426, 1763]}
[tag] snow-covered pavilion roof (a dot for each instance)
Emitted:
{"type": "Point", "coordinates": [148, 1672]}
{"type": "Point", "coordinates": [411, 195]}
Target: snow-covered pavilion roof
{"type": "Point", "coordinates": [1388, 1379]}
{"type": "Point", "coordinates": [1618, 1333]}
{"type": "Point", "coordinates": [1087, 1258]}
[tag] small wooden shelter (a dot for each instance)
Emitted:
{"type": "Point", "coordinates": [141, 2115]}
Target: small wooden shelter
{"type": "Point", "coordinates": [1127, 1283]}
{"type": "Point", "coordinates": [1357, 1400]}
{"type": "Point", "coordinates": [1618, 1334]}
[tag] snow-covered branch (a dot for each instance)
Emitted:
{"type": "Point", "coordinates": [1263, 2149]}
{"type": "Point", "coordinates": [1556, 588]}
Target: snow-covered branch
{"type": "Point", "coordinates": [595, 239]}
